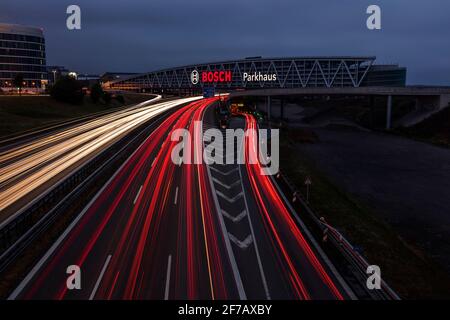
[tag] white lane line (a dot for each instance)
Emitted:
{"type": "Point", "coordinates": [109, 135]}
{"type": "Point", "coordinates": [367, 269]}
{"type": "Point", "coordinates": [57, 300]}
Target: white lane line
{"type": "Point", "coordinates": [234, 267]}
{"type": "Point", "coordinates": [61, 238]}
{"type": "Point", "coordinates": [176, 196]}
{"type": "Point", "coordinates": [258, 257]}
{"type": "Point", "coordinates": [314, 243]}
{"type": "Point", "coordinates": [153, 162]}
{"type": "Point", "coordinates": [151, 113]}
{"type": "Point", "coordinates": [169, 264]}
{"type": "Point", "coordinates": [137, 195]}
{"type": "Point", "coordinates": [97, 284]}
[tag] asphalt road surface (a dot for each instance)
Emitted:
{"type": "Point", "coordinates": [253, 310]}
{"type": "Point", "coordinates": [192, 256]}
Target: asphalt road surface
{"type": "Point", "coordinates": [161, 229]}
{"type": "Point", "coordinates": [29, 169]}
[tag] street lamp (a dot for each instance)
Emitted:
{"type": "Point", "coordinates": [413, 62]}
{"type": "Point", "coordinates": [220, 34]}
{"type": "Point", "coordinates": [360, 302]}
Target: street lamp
{"type": "Point", "coordinates": [54, 76]}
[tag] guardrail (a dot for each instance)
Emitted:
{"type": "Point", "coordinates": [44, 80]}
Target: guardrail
{"type": "Point", "coordinates": [20, 231]}
{"type": "Point", "coordinates": [355, 261]}
{"type": "Point", "coordinates": [62, 124]}
{"type": "Point", "coordinates": [60, 184]}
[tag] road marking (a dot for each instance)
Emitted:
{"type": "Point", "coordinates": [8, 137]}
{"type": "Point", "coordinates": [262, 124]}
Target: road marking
{"type": "Point", "coordinates": [169, 264]}
{"type": "Point", "coordinates": [212, 160]}
{"type": "Point", "coordinates": [72, 225]}
{"type": "Point", "coordinates": [241, 244]}
{"type": "Point", "coordinates": [314, 243]}
{"type": "Point", "coordinates": [176, 196]}
{"type": "Point", "coordinates": [224, 173]}
{"type": "Point", "coordinates": [153, 162]}
{"type": "Point", "coordinates": [255, 243]}
{"type": "Point", "coordinates": [97, 284]}
{"type": "Point", "coordinates": [25, 281]}
{"type": "Point", "coordinates": [137, 195]}
{"type": "Point", "coordinates": [237, 218]}
{"type": "Point", "coordinates": [48, 190]}
{"type": "Point", "coordinates": [228, 187]}
{"type": "Point", "coordinates": [234, 267]}
{"type": "Point", "coordinates": [231, 200]}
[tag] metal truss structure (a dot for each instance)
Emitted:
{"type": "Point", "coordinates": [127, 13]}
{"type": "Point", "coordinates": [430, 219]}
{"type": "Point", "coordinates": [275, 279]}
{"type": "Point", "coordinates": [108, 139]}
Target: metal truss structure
{"type": "Point", "coordinates": [297, 72]}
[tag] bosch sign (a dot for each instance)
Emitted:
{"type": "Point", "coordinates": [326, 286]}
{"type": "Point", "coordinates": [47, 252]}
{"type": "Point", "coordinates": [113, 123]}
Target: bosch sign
{"type": "Point", "coordinates": [194, 77]}
{"type": "Point", "coordinates": [211, 76]}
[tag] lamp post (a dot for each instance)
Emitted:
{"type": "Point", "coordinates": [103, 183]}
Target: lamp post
{"type": "Point", "coordinates": [308, 184]}
{"type": "Point", "coordinates": [54, 76]}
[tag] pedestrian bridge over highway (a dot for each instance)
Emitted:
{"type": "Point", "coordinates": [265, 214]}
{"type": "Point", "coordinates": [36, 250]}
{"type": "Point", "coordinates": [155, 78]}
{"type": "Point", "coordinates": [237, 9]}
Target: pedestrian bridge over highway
{"type": "Point", "coordinates": [258, 72]}
{"type": "Point", "coordinates": [432, 99]}
{"type": "Point", "coordinates": [257, 76]}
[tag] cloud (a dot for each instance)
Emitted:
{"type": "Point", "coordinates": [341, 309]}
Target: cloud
{"type": "Point", "coordinates": [143, 35]}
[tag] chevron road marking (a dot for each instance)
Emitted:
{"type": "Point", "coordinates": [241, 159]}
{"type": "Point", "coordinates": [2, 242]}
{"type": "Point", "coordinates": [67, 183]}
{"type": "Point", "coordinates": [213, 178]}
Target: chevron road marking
{"type": "Point", "coordinates": [231, 200]}
{"type": "Point", "coordinates": [241, 244]}
{"type": "Point", "coordinates": [237, 218]}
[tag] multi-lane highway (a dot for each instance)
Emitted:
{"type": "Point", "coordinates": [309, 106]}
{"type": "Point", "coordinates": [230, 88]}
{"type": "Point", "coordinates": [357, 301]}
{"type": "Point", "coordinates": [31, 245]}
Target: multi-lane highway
{"type": "Point", "coordinates": [164, 230]}
{"type": "Point", "coordinates": [29, 169]}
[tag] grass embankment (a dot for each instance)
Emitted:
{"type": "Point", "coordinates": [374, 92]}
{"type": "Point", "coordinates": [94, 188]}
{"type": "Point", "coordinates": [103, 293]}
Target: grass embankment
{"type": "Point", "coordinates": [406, 268]}
{"type": "Point", "coordinates": [435, 129]}
{"type": "Point", "coordinates": [22, 113]}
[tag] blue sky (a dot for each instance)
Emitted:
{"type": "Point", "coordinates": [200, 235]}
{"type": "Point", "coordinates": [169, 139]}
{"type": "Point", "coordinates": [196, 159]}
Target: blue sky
{"type": "Point", "coordinates": [145, 35]}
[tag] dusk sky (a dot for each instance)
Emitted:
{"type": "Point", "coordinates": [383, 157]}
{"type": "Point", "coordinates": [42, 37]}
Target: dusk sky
{"type": "Point", "coordinates": [146, 35]}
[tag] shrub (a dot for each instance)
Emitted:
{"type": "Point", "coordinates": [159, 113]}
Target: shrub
{"type": "Point", "coordinates": [107, 97]}
{"type": "Point", "coordinates": [121, 99]}
{"type": "Point", "coordinates": [18, 81]}
{"type": "Point", "coordinates": [96, 92]}
{"type": "Point", "coordinates": [67, 89]}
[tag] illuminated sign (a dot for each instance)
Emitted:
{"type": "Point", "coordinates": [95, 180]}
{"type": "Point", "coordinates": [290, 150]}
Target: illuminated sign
{"type": "Point", "coordinates": [211, 76]}
{"type": "Point", "coordinates": [195, 77]}
{"type": "Point", "coordinates": [258, 76]}
{"type": "Point", "coordinates": [216, 76]}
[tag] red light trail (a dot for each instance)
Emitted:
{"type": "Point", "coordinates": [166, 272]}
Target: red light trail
{"type": "Point", "coordinates": [154, 210]}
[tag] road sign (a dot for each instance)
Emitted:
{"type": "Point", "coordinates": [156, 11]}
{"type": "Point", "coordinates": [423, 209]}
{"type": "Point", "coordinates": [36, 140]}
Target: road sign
{"type": "Point", "coordinates": [308, 183]}
{"type": "Point", "coordinates": [208, 92]}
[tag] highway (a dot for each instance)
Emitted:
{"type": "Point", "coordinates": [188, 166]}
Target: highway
{"type": "Point", "coordinates": [31, 168]}
{"type": "Point", "coordinates": [164, 230]}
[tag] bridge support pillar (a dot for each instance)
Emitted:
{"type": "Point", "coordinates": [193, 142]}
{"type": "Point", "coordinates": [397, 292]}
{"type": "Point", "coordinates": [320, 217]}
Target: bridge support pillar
{"type": "Point", "coordinates": [389, 113]}
{"type": "Point", "coordinates": [268, 108]}
{"type": "Point", "coordinates": [372, 110]}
